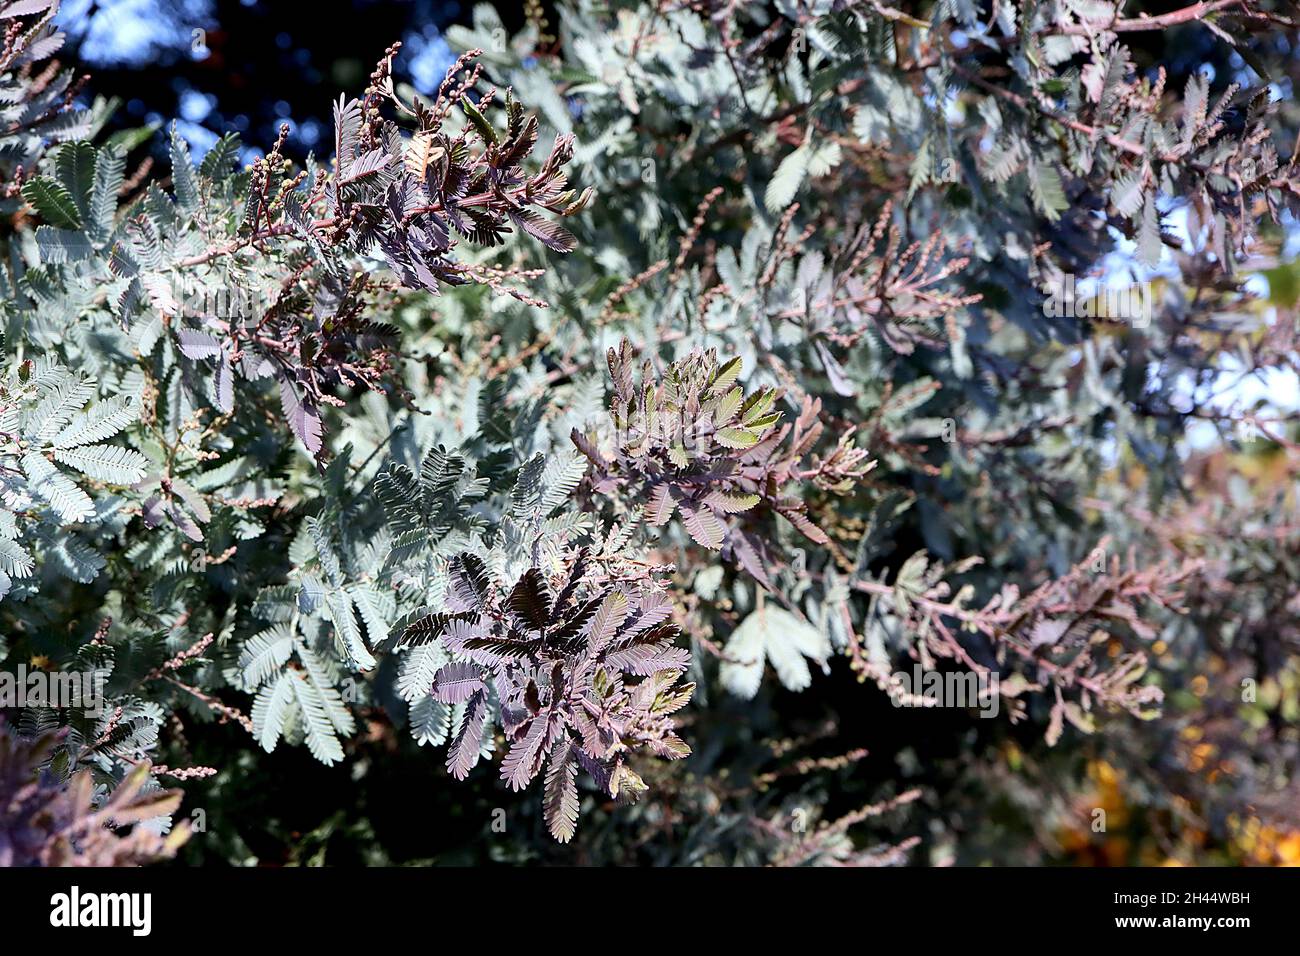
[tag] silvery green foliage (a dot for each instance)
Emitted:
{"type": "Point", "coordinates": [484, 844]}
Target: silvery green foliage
{"type": "Point", "coordinates": [35, 115]}
{"type": "Point", "coordinates": [377, 443]}
{"type": "Point", "coordinates": [52, 446]}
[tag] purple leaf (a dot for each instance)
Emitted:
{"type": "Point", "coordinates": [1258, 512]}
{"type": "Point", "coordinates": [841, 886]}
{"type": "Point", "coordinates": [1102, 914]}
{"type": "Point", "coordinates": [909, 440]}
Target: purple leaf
{"type": "Point", "coordinates": [182, 521]}
{"type": "Point", "coordinates": [525, 758]}
{"type": "Point", "coordinates": [429, 626]}
{"type": "Point", "coordinates": [834, 371]}
{"type": "Point", "coordinates": [748, 551]}
{"type": "Point", "coordinates": [561, 793]}
{"type": "Point", "coordinates": [224, 386]}
{"type": "Point", "coordinates": [645, 659]}
{"type": "Point", "coordinates": [703, 525]}
{"type": "Point", "coordinates": [1048, 631]}
{"type": "Point", "coordinates": [198, 345]}
{"type": "Point", "coordinates": [494, 650]}
{"type": "Point", "coordinates": [661, 504]}
{"type": "Point", "coordinates": [548, 232]}
{"type": "Point", "coordinates": [469, 582]}
{"type": "Point", "coordinates": [366, 165]}
{"type": "Point", "coordinates": [303, 416]}
{"type": "Point", "coordinates": [464, 751]}
{"type": "Point", "coordinates": [588, 449]}
{"type": "Point", "coordinates": [576, 573]}
{"type": "Point", "coordinates": [573, 624]}
{"type": "Point", "coordinates": [610, 617]}
{"type": "Point", "coordinates": [152, 511]}
{"type": "Point", "coordinates": [530, 601]}
{"type": "Point", "coordinates": [456, 682]}
{"type": "Point", "coordinates": [655, 608]}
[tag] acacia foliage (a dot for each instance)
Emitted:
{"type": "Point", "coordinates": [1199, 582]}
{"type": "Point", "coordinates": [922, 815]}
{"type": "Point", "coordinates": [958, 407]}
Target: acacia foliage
{"type": "Point", "coordinates": [378, 443]}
